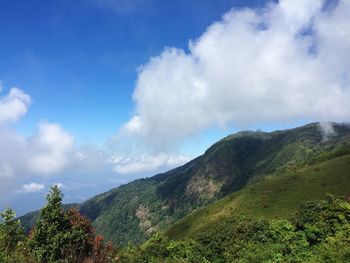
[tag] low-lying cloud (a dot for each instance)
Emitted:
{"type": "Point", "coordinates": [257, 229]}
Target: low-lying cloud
{"type": "Point", "coordinates": [327, 130]}
{"type": "Point", "coordinates": [31, 188]}
{"type": "Point", "coordinates": [287, 62]}
{"type": "Point", "coordinates": [147, 163]}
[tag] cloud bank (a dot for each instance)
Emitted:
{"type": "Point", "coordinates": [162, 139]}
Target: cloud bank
{"type": "Point", "coordinates": [51, 152]}
{"type": "Point", "coordinates": [287, 62]}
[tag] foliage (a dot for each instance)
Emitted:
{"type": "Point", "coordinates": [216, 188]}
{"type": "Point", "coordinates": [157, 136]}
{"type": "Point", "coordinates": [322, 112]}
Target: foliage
{"type": "Point", "coordinates": [28, 220]}
{"type": "Point", "coordinates": [81, 237]}
{"type": "Point", "coordinates": [318, 232]}
{"type": "Point", "coordinates": [66, 236]}
{"type": "Point", "coordinates": [50, 239]}
{"type": "Point", "coordinates": [11, 232]}
{"type": "Point", "coordinates": [58, 236]}
{"type": "Point", "coordinates": [13, 246]}
{"type": "Point", "coordinates": [160, 249]}
{"type": "Point", "coordinates": [101, 252]}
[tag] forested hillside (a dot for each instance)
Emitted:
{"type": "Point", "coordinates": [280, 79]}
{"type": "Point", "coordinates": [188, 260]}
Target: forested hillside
{"type": "Point", "coordinates": [132, 212]}
{"type": "Point", "coordinates": [274, 198]}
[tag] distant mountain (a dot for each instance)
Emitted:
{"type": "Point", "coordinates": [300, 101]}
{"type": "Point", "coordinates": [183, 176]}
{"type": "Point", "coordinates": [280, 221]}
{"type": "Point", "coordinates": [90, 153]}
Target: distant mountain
{"type": "Point", "coordinates": [130, 213]}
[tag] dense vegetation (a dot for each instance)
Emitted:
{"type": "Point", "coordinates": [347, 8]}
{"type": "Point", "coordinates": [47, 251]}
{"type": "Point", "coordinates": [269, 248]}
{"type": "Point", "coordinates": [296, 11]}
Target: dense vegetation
{"type": "Point", "coordinates": [276, 197]}
{"type": "Point", "coordinates": [133, 212]}
{"type": "Point", "coordinates": [57, 236]}
{"type": "Point", "coordinates": [317, 232]}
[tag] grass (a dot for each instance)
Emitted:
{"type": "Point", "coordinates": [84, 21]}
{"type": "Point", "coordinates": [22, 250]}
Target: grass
{"type": "Point", "coordinates": [274, 198]}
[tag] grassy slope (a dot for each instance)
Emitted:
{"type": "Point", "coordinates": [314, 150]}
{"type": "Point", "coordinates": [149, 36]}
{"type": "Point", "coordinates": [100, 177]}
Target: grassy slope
{"type": "Point", "coordinates": [275, 197]}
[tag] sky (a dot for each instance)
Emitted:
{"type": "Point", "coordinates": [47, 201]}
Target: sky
{"type": "Point", "coordinates": [96, 93]}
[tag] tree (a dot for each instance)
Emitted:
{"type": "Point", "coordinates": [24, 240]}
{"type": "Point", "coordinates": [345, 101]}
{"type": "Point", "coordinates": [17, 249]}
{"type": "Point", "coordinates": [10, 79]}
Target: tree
{"type": "Point", "coordinates": [11, 232]}
{"type": "Point", "coordinates": [81, 236]}
{"type": "Point", "coordinates": [60, 236]}
{"type": "Point", "coordinates": [50, 236]}
{"type": "Point", "coordinates": [13, 243]}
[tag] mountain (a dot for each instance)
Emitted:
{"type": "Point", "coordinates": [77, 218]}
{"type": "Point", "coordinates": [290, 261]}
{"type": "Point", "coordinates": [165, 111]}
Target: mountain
{"type": "Point", "coordinates": [132, 212]}
{"type": "Point", "coordinates": [276, 197]}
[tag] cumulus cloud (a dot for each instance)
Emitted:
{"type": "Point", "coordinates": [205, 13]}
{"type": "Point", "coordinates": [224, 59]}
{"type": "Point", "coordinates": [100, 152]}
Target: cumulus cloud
{"type": "Point", "coordinates": [146, 163]}
{"type": "Point", "coordinates": [286, 62]}
{"type": "Point", "coordinates": [31, 188]}
{"type": "Point", "coordinates": [50, 149]}
{"type": "Point", "coordinates": [14, 105]}
{"type": "Point", "coordinates": [47, 152]}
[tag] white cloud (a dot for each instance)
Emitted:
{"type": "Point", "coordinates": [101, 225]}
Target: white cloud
{"type": "Point", "coordinates": [147, 163]}
{"type": "Point", "coordinates": [14, 105]}
{"type": "Point", "coordinates": [47, 152]}
{"type": "Point", "coordinates": [13, 153]}
{"type": "Point", "coordinates": [50, 149]}
{"type": "Point", "coordinates": [31, 188]}
{"type": "Point", "coordinates": [287, 62]}
{"type": "Point", "coordinates": [49, 155]}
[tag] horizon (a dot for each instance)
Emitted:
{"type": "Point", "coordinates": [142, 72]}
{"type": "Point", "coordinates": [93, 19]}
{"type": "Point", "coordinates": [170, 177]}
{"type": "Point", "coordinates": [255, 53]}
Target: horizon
{"type": "Point", "coordinates": [95, 94]}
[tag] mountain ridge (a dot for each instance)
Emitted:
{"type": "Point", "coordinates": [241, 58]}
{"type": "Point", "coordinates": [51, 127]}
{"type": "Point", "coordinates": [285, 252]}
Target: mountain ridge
{"type": "Point", "coordinates": [134, 211]}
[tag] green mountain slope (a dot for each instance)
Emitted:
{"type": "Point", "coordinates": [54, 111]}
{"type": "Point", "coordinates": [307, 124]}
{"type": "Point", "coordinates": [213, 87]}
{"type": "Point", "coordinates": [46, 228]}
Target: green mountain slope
{"type": "Point", "coordinates": [134, 211]}
{"type": "Point", "coordinates": [274, 198]}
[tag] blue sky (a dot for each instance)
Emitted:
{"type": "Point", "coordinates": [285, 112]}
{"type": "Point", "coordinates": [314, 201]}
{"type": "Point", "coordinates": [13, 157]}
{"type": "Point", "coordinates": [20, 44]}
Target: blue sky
{"type": "Point", "coordinates": [95, 93]}
{"type": "Point", "coordinates": [78, 60]}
